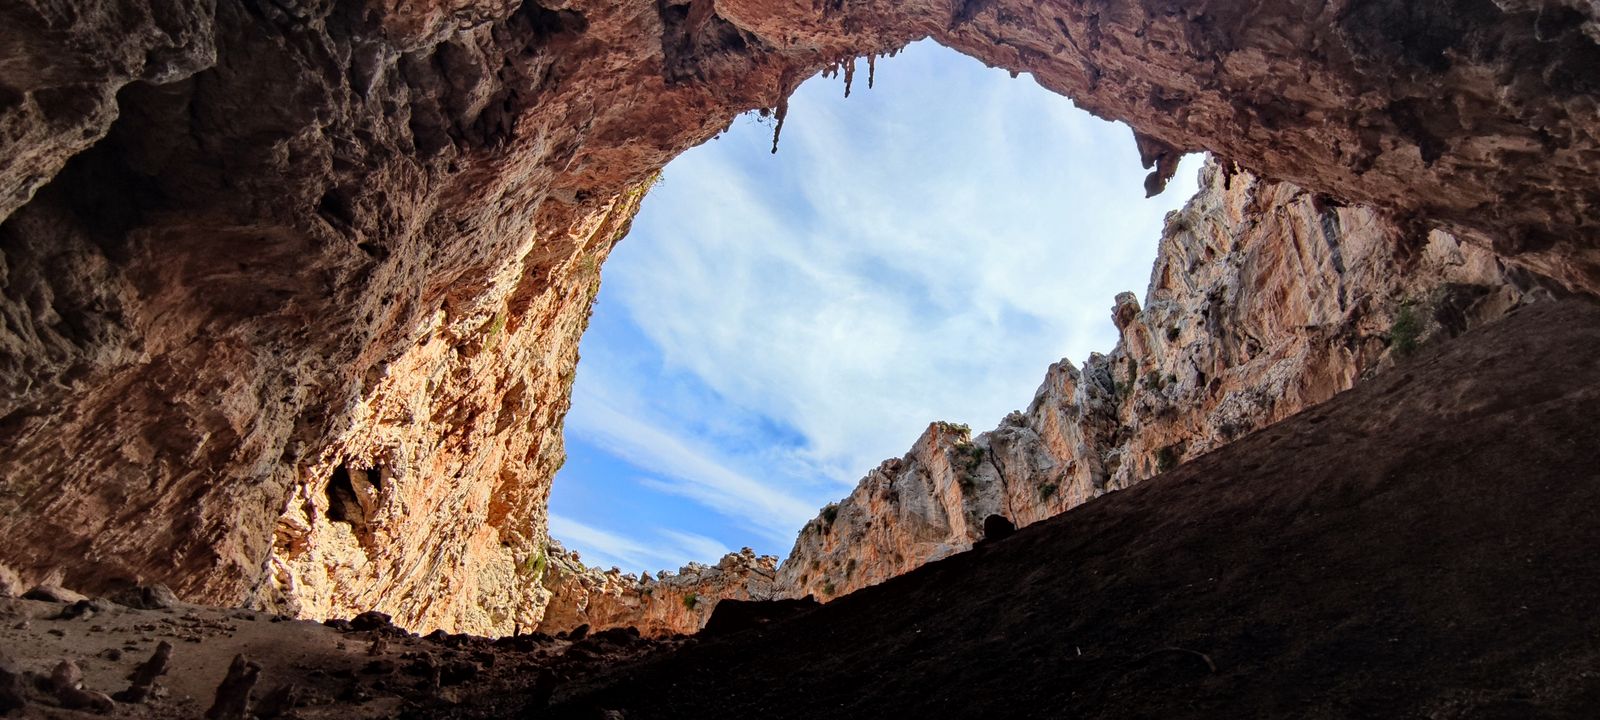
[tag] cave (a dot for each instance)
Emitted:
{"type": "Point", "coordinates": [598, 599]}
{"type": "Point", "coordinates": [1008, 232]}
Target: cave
{"type": "Point", "coordinates": [244, 241]}
{"type": "Point", "coordinates": [353, 495]}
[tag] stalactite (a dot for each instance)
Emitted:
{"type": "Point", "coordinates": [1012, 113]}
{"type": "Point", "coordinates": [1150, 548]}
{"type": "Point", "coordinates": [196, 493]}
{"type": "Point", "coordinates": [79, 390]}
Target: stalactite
{"type": "Point", "coordinates": [849, 74]}
{"type": "Point", "coordinates": [872, 69]}
{"type": "Point", "coordinates": [787, 83]}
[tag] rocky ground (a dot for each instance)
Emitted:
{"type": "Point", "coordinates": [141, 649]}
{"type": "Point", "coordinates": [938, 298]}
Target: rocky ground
{"type": "Point", "coordinates": [236, 664]}
{"type": "Point", "coordinates": [1420, 546]}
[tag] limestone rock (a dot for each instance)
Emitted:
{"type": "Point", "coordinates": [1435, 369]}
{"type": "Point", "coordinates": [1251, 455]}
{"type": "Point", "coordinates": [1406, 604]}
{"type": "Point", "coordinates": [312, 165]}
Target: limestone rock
{"type": "Point", "coordinates": [53, 594]}
{"type": "Point", "coordinates": [10, 585]}
{"type": "Point", "coordinates": [294, 290]}
{"type": "Point", "coordinates": [145, 597]}
{"type": "Point", "coordinates": [66, 682]}
{"type": "Point", "coordinates": [1264, 300]}
{"type": "Point", "coordinates": [667, 604]}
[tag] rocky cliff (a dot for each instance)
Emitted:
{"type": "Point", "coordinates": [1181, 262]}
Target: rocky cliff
{"type": "Point", "coordinates": [291, 290]}
{"type": "Point", "coordinates": [1264, 300]}
{"type": "Point", "coordinates": [667, 604]}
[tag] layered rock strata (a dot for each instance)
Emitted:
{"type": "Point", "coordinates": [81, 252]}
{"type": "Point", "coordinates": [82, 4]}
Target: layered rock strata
{"type": "Point", "coordinates": [666, 604]}
{"type": "Point", "coordinates": [292, 290]}
{"type": "Point", "coordinates": [1264, 300]}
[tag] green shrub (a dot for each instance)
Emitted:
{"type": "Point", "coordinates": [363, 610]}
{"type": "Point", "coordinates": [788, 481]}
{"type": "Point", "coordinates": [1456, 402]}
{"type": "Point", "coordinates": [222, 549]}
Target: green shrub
{"type": "Point", "coordinates": [1047, 491]}
{"type": "Point", "coordinates": [828, 589]}
{"type": "Point", "coordinates": [535, 564]}
{"type": "Point", "coordinates": [830, 512]}
{"type": "Point", "coordinates": [1405, 332]}
{"type": "Point", "coordinates": [1167, 458]}
{"type": "Point", "coordinates": [691, 600]}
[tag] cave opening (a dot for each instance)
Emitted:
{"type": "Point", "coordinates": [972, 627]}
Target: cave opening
{"type": "Point", "coordinates": [901, 260]}
{"type": "Point", "coordinates": [352, 494]}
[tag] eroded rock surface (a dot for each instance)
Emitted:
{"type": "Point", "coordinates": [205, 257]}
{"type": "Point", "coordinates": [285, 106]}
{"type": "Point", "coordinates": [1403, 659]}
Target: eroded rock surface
{"type": "Point", "coordinates": [1264, 300]}
{"type": "Point", "coordinates": [667, 604]}
{"type": "Point", "coordinates": [292, 290]}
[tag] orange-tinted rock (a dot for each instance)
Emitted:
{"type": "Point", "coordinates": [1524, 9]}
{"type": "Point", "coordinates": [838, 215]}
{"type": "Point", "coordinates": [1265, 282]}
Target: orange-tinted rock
{"type": "Point", "coordinates": [292, 290]}
{"type": "Point", "coordinates": [668, 604]}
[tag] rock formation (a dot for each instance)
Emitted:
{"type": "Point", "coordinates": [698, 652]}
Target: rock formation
{"type": "Point", "coordinates": [1264, 300]}
{"type": "Point", "coordinates": [292, 290]}
{"type": "Point", "coordinates": [667, 604]}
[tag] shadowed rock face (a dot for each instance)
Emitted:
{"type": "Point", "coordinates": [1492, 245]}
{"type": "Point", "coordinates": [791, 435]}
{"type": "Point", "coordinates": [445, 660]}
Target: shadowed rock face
{"type": "Point", "coordinates": [292, 290]}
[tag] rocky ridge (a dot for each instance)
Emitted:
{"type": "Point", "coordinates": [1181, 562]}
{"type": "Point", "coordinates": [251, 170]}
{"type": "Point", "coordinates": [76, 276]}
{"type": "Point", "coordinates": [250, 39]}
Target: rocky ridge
{"type": "Point", "coordinates": [667, 604]}
{"type": "Point", "coordinates": [1264, 300]}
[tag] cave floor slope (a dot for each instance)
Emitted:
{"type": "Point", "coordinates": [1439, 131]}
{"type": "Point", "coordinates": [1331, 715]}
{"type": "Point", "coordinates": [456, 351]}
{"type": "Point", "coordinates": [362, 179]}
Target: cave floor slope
{"type": "Point", "coordinates": [1423, 545]}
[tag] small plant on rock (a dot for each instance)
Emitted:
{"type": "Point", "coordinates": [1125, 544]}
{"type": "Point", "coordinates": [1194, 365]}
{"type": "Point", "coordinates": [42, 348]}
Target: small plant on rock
{"type": "Point", "coordinates": [1167, 458]}
{"type": "Point", "coordinates": [1405, 332]}
{"type": "Point", "coordinates": [971, 457]}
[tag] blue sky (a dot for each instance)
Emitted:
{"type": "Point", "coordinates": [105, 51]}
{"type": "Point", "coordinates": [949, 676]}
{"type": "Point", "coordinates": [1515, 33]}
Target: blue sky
{"type": "Point", "coordinates": [777, 325]}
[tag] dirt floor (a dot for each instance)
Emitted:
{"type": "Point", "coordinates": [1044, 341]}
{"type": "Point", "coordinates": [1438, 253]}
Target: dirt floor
{"type": "Point", "coordinates": [1426, 545]}
{"type": "Point", "coordinates": [304, 669]}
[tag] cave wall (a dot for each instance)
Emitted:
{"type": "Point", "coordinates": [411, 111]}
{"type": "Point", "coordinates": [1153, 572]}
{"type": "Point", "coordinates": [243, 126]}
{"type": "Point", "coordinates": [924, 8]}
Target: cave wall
{"type": "Point", "coordinates": [292, 290]}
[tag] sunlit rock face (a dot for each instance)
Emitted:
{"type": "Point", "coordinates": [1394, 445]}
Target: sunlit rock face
{"type": "Point", "coordinates": [292, 290]}
{"type": "Point", "coordinates": [1264, 300]}
{"type": "Point", "coordinates": [667, 604]}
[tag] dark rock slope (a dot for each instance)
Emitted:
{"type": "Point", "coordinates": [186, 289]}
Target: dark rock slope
{"type": "Point", "coordinates": [1420, 546]}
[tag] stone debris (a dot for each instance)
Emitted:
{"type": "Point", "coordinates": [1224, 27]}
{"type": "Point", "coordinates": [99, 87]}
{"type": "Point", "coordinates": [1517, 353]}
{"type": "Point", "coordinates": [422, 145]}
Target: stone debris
{"type": "Point", "coordinates": [145, 597]}
{"type": "Point", "coordinates": [81, 610]}
{"type": "Point", "coordinates": [12, 695]}
{"type": "Point", "coordinates": [45, 592]}
{"type": "Point", "coordinates": [279, 701]}
{"type": "Point", "coordinates": [144, 677]}
{"type": "Point", "coordinates": [370, 620]}
{"type": "Point", "coordinates": [233, 695]}
{"type": "Point", "coordinates": [66, 682]}
{"type": "Point", "coordinates": [10, 585]}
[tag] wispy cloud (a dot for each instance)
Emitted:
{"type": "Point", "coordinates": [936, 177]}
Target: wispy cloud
{"type": "Point", "coordinates": [776, 326]}
{"type": "Point", "coordinates": [662, 551]}
{"type": "Point", "coordinates": [690, 470]}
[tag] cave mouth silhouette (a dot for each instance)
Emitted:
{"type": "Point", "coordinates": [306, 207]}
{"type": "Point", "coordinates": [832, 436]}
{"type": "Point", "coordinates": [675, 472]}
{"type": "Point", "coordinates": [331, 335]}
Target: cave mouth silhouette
{"type": "Point", "coordinates": [986, 239]}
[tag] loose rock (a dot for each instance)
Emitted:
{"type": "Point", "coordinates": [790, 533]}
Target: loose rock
{"type": "Point", "coordinates": [144, 677]}
{"type": "Point", "coordinates": [52, 593]}
{"type": "Point", "coordinates": [233, 695]}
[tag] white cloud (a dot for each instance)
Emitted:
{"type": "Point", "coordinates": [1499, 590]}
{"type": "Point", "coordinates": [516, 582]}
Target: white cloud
{"type": "Point", "coordinates": [919, 252]}
{"type": "Point", "coordinates": [602, 549]}
{"type": "Point", "coordinates": [692, 470]}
